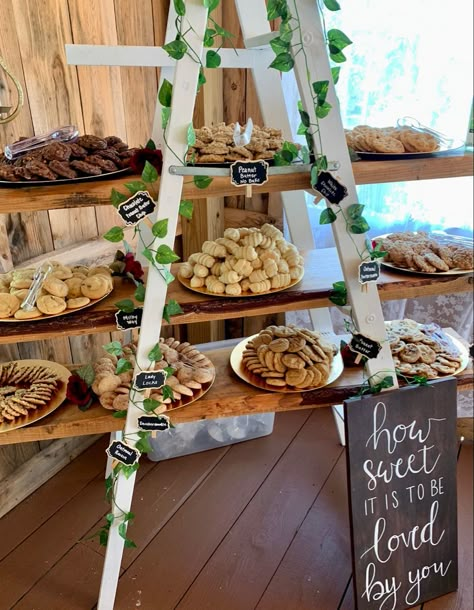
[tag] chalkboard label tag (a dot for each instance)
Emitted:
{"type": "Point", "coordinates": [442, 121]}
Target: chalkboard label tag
{"type": "Point", "coordinates": [365, 346]}
{"type": "Point", "coordinates": [330, 188]}
{"type": "Point", "coordinates": [369, 272]}
{"type": "Point", "coordinates": [136, 208]}
{"type": "Point", "coordinates": [148, 380]}
{"type": "Point", "coordinates": [123, 453]}
{"type": "Point", "coordinates": [155, 423]}
{"type": "Point", "coordinates": [126, 321]}
{"type": "Point", "coordinates": [249, 173]}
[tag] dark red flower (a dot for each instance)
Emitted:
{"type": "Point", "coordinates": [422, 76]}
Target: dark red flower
{"type": "Point", "coordinates": [132, 266]}
{"type": "Point", "coordinates": [78, 392]}
{"type": "Point", "coordinates": [137, 161]}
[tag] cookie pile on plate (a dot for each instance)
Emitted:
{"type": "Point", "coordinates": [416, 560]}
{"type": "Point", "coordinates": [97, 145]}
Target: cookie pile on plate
{"type": "Point", "coordinates": [24, 389]}
{"type": "Point", "coordinates": [421, 251]}
{"type": "Point", "coordinates": [88, 155]}
{"type": "Point", "coordinates": [391, 140]}
{"type": "Point", "coordinates": [215, 144]}
{"type": "Point", "coordinates": [244, 261]}
{"type": "Point", "coordinates": [289, 357]}
{"type": "Point", "coordinates": [422, 350]}
{"type": "Point", "coordinates": [193, 372]}
{"type": "Point", "coordinates": [65, 287]}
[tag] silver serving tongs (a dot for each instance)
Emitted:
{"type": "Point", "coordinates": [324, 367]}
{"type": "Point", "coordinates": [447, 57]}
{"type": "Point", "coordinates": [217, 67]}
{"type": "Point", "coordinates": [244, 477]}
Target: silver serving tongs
{"type": "Point", "coordinates": [61, 134]}
{"type": "Point", "coordinates": [408, 121]}
{"type": "Point", "coordinates": [243, 138]}
{"type": "Point", "coordinates": [40, 275]}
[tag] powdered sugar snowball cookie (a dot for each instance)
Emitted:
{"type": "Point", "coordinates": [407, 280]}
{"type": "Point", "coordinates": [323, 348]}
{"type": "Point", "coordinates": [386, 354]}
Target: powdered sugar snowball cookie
{"type": "Point", "coordinates": [50, 304]}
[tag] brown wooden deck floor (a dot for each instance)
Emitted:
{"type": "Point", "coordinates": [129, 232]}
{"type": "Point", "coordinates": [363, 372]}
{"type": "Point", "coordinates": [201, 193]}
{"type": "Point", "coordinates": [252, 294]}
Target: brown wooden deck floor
{"type": "Point", "coordinates": [260, 525]}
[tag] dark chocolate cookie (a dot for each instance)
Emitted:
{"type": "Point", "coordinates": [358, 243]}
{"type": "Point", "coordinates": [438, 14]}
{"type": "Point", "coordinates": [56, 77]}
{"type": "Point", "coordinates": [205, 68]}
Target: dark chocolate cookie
{"type": "Point", "coordinates": [40, 169]}
{"type": "Point", "coordinates": [111, 140]}
{"type": "Point", "coordinates": [78, 152]}
{"type": "Point", "coordinates": [7, 172]}
{"type": "Point", "coordinates": [62, 168]}
{"type": "Point", "coordinates": [24, 174]}
{"type": "Point", "coordinates": [57, 152]}
{"type": "Point", "coordinates": [108, 153]}
{"type": "Point", "coordinates": [105, 164]}
{"type": "Point", "coordinates": [120, 146]}
{"type": "Point", "coordinates": [86, 168]}
{"type": "Point", "coordinates": [91, 142]}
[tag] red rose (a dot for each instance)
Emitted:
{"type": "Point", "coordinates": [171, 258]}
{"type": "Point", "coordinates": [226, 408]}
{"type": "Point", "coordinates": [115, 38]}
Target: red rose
{"type": "Point", "coordinates": [132, 266]}
{"type": "Point", "coordinates": [137, 161]}
{"type": "Point", "coordinates": [78, 392]}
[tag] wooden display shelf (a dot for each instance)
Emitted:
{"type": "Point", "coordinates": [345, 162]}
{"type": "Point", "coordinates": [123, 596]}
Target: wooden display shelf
{"type": "Point", "coordinates": [83, 194]}
{"type": "Point", "coordinates": [229, 396]}
{"type": "Point", "coordinates": [322, 269]}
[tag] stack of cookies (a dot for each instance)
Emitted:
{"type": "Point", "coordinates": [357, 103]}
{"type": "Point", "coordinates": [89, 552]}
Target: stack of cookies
{"type": "Point", "coordinates": [418, 351]}
{"type": "Point", "coordinates": [288, 358]}
{"type": "Point", "coordinates": [421, 251]}
{"type": "Point", "coordinates": [391, 140]}
{"type": "Point", "coordinates": [216, 144]}
{"type": "Point", "coordinates": [24, 389]}
{"type": "Point", "coordinates": [193, 374]}
{"type": "Point", "coordinates": [65, 288]}
{"type": "Point", "coordinates": [245, 261]}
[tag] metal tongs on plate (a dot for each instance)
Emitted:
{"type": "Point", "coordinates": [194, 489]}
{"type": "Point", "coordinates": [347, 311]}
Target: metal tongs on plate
{"type": "Point", "coordinates": [408, 121]}
{"type": "Point", "coordinates": [40, 275]}
{"type": "Point", "coordinates": [242, 138]}
{"type": "Point", "coordinates": [61, 134]}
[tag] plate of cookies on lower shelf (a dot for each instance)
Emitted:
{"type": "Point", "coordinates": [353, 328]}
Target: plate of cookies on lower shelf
{"type": "Point", "coordinates": [65, 290]}
{"type": "Point", "coordinates": [193, 375]}
{"type": "Point", "coordinates": [287, 359]}
{"type": "Point", "coordinates": [30, 390]}
{"type": "Point", "coordinates": [245, 262]}
{"type": "Point", "coordinates": [427, 253]}
{"type": "Point", "coordinates": [425, 350]}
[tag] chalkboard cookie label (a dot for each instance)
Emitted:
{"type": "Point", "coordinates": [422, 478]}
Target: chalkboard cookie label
{"type": "Point", "coordinates": [149, 380]}
{"type": "Point", "coordinates": [249, 173]}
{"type": "Point", "coordinates": [126, 321]}
{"type": "Point", "coordinates": [123, 453]}
{"type": "Point", "coordinates": [154, 423]}
{"type": "Point", "coordinates": [136, 208]}
{"type": "Point", "coordinates": [369, 272]}
{"type": "Point", "coordinates": [330, 188]}
{"type": "Point", "coordinates": [365, 346]}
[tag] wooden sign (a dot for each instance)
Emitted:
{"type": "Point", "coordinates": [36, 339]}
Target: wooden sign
{"type": "Point", "coordinates": [249, 173]}
{"type": "Point", "coordinates": [148, 380]}
{"type": "Point", "coordinates": [365, 346]}
{"type": "Point", "coordinates": [369, 271]}
{"type": "Point", "coordinates": [401, 458]}
{"type": "Point", "coordinates": [120, 451]}
{"type": "Point", "coordinates": [154, 422]}
{"type": "Point", "coordinates": [126, 321]}
{"type": "Point", "coordinates": [330, 188]}
{"type": "Point", "coordinates": [136, 208]}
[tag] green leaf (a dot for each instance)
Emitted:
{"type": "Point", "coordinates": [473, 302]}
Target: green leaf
{"type": "Point", "coordinates": [279, 46]}
{"type": "Point", "coordinates": [339, 286]}
{"type": "Point", "coordinates": [302, 129]}
{"type": "Point", "coordinates": [283, 62]}
{"type": "Point", "coordinates": [186, 208]}
{"type": "Point", "coordinates": [209, 37]}
{"type": "Point", "coordinates": [103, 537]}
{"type": "Point", "coordinates": [314, 174]}
{"type": "Point", "coordinates": [135, 186]}
{"type": "Point", "coordinates": [120, 414]}
{"type": "Point", "coordinates": [165, 94]}
{"type": "Point", "coordinates": [305, 118]}
{"type": "Point", "coordinates": [150, 404]}
{"type": "Point", "coordinates": [143, 445]}
{"type": "Point", "coordinates": [378, 254]}
{"type": "Point", "coordinates": [148, 254]}
{"type": "Point", "coordinates": [174, 307]}
{"type": "Point", "coordinates": [109, 517]}
{"type": "Point", "coordinates": [304, 154]}
{"type": "Point", "coordinates": [276, 8]}
{"type": "Point", "coordinates": [166, 275]}
{"type": "Point", "coordinates": [114, 348]}
{"type": "Point", "coordinates": [291, 148]}
{"type": "Point", "coordinates": [123, 365]}
{"type": "Point", "coordinates": [129, 470]}
{"type": "Point", "coordinates": [176, 49]}
{"type": "Point", "coordinates": [150, 144]}
{"type": "Point", "coordinates": [327, 217]}
{"type": "Point", "coordinates": [338, 39]}
{"type": "Point", "coordinates": [167, 392]}
{"type": "Point", "coordinates": [179, 7]}
{"type": "Point", "coordinates": [165, 117]}
{"type": "Point", "coordinates": [149, 173]}
{"type": "Point", "coordinates": [117, 198]}
{"type": "Point", "coordinates": [202, 182]}
{"type": "Point", "coordinates": [355, 210]}
{"type": "Point", "coordinates": [155, 354]}
{"type": "Point", "coordinates": [140, 293]}
{"type": "Point", "coordinates": [169, 370]}
{"type": "Point", "coordinates": [279, 159]}
{"type": "Point", "coordinates": [338, 299]}
{"type": "Point", "coordinates": [335, 74]}
{"type": "Point", "coordinates": [191, 135]}
{"type": "Point", "coordinates": [129, 544]}
{"type": "Point", "coordinates": [165, 255]}
{"type": "Point", "coordinates": [322, 110]}
{"type": "Point", "coordinates": [287, 155]}
{"type": "Point", "coordinates": [122, 529]}
{"type": "Point", "coordinates": [211, 4]}
{"type": "Point", "coordinates": [109, 486]}
{"type": "Point", "coordinates": [201, 79]}
{"type": "Point", "coordinates": [115, 234]}
{"type": "Point", "coordinates": [321, 88]}
{"type": "Point", "coordinates": [332, 5]}
{"type": "Point", "coordinates": [286, 33]}
{"type": "Point", "coordinates": [322, 162]}
{"type": "Point", "coordinates": [338, 57]}
{"type": "Point", "coordinates": [126, 305]}
{"type": "Point", "coordinates": [213, 59]}
{"type": "Point", "coordinates": [86, 373]}
{"type": "Point", "coordinates": [160, 228]}
{"type": "Point", "coordinates": [359, 226]}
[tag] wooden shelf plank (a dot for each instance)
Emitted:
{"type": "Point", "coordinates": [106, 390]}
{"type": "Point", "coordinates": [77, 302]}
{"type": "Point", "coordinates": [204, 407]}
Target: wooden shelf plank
{"type": "Point", "coordinates": [322, 269]}
{"type": "Point", "coordinates": [229, 396]}
{"type": "Point", "coordinates": [84, 194]}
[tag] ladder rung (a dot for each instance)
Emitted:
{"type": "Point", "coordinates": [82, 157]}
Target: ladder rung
{"type": "Point", "coordinates": [260, 41]}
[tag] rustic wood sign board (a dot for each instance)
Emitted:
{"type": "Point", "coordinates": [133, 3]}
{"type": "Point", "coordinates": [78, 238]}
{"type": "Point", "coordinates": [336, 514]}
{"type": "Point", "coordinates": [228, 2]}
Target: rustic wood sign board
{"type": "Point", "coordinates": [401, 457]}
